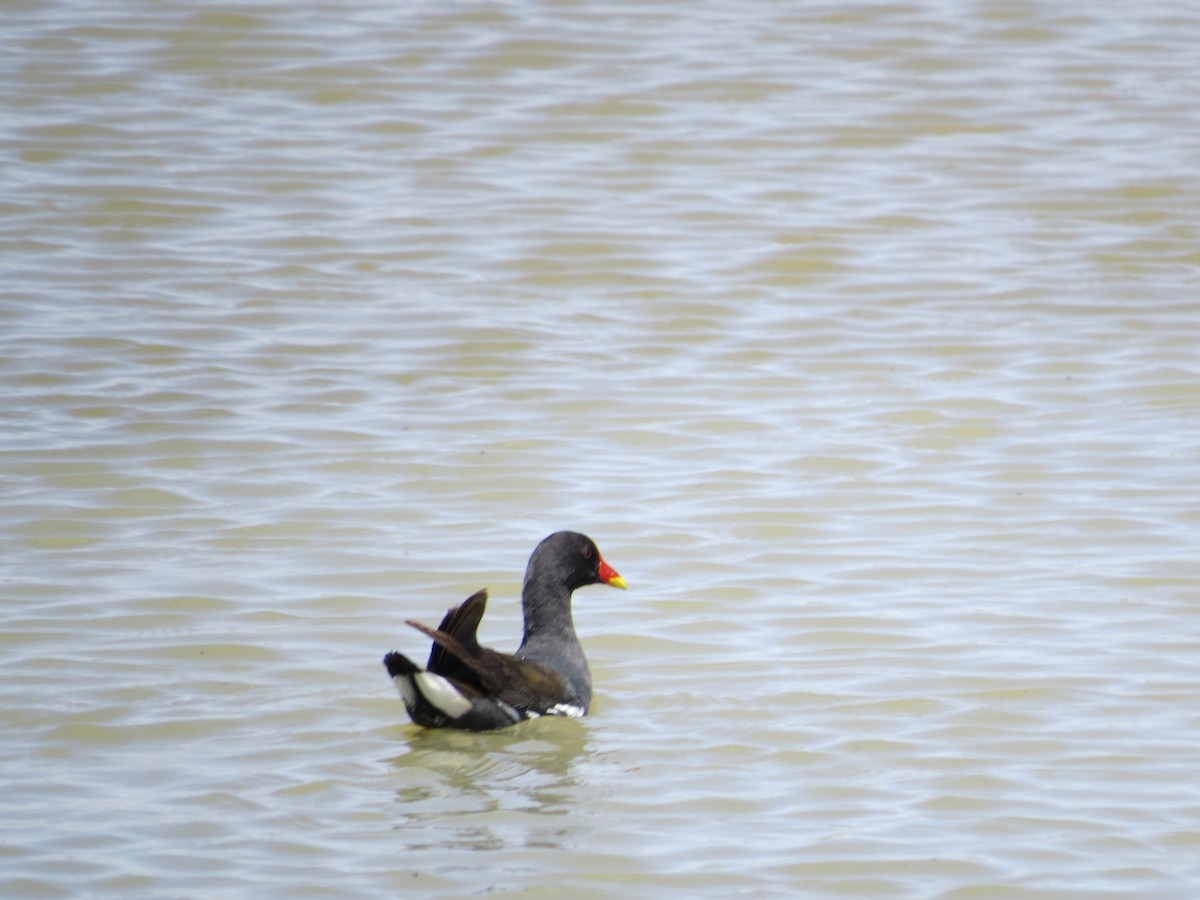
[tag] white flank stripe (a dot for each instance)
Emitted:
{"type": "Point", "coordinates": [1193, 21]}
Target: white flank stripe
{"type": "Point", "coordinates": [509, 711]}
{"type": "Point", "coordinates": [441, 693]}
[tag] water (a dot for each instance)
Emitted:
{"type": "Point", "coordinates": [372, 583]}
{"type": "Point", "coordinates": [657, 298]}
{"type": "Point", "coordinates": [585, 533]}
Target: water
{"type": "Point", "coordinates": [862, 338]}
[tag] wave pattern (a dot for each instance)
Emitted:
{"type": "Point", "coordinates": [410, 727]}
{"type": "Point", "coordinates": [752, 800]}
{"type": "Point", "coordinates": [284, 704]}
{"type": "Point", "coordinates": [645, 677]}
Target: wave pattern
{"type": "Point", "coordinates": [860, 337]}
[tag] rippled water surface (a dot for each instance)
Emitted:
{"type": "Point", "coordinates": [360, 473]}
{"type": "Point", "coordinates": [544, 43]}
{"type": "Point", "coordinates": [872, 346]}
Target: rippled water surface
{"type": "Point", "coordinates": [863, 338]}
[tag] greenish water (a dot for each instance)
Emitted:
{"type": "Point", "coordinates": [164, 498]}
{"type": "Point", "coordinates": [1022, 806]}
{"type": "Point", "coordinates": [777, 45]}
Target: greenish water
{"type": "Point", "coordinates": [862, 338]}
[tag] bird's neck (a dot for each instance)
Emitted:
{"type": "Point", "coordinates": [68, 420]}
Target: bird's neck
{"type": "Point", "coordinates": [547, 608]}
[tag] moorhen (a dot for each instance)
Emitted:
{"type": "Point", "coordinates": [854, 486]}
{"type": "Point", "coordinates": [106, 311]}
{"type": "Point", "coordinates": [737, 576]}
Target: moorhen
{"type": "Point", "coordinates": [475, 688]}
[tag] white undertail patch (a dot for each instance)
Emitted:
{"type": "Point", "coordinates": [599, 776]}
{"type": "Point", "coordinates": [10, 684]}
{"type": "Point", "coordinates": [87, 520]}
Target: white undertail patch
{"type": "Point", "coordinates": [441, 693]}
{"type": "Point", "coordinates": [566, 709]}
{"type": "Point", "coordinates": [404, 685]}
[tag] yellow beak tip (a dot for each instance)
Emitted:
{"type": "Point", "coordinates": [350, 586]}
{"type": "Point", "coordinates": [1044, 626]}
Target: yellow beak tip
{"type": "Point", "coordinates": [616, 581]}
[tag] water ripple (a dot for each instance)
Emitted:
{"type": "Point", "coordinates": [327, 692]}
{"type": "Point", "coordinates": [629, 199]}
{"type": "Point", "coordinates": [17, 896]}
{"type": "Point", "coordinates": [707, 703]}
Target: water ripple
{"type": "Point", "coordinates": [859, 337]}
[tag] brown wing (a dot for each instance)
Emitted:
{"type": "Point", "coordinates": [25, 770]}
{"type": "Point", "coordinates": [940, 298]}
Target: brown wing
{"type": "Point", "coordinates": [520, 683]}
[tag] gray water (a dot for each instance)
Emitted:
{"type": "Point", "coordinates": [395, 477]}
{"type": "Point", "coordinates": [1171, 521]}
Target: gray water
{"type": "Point", "coordinates": [862, 338]}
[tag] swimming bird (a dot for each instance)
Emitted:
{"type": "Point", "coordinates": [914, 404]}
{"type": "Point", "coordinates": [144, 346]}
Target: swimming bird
{"type": "Point", "coordinates": [475, 688]}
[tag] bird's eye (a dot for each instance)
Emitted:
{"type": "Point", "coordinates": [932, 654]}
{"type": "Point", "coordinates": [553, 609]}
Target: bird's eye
{"type": "Point", "coordinates": [587, 552]}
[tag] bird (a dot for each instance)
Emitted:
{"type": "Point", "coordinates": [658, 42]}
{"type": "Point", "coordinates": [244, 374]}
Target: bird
{"type": "Point", "coordinates": [475, 688]}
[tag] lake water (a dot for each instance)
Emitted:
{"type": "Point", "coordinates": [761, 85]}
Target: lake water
{"type": "Point", "coordinates": [863, 338]}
